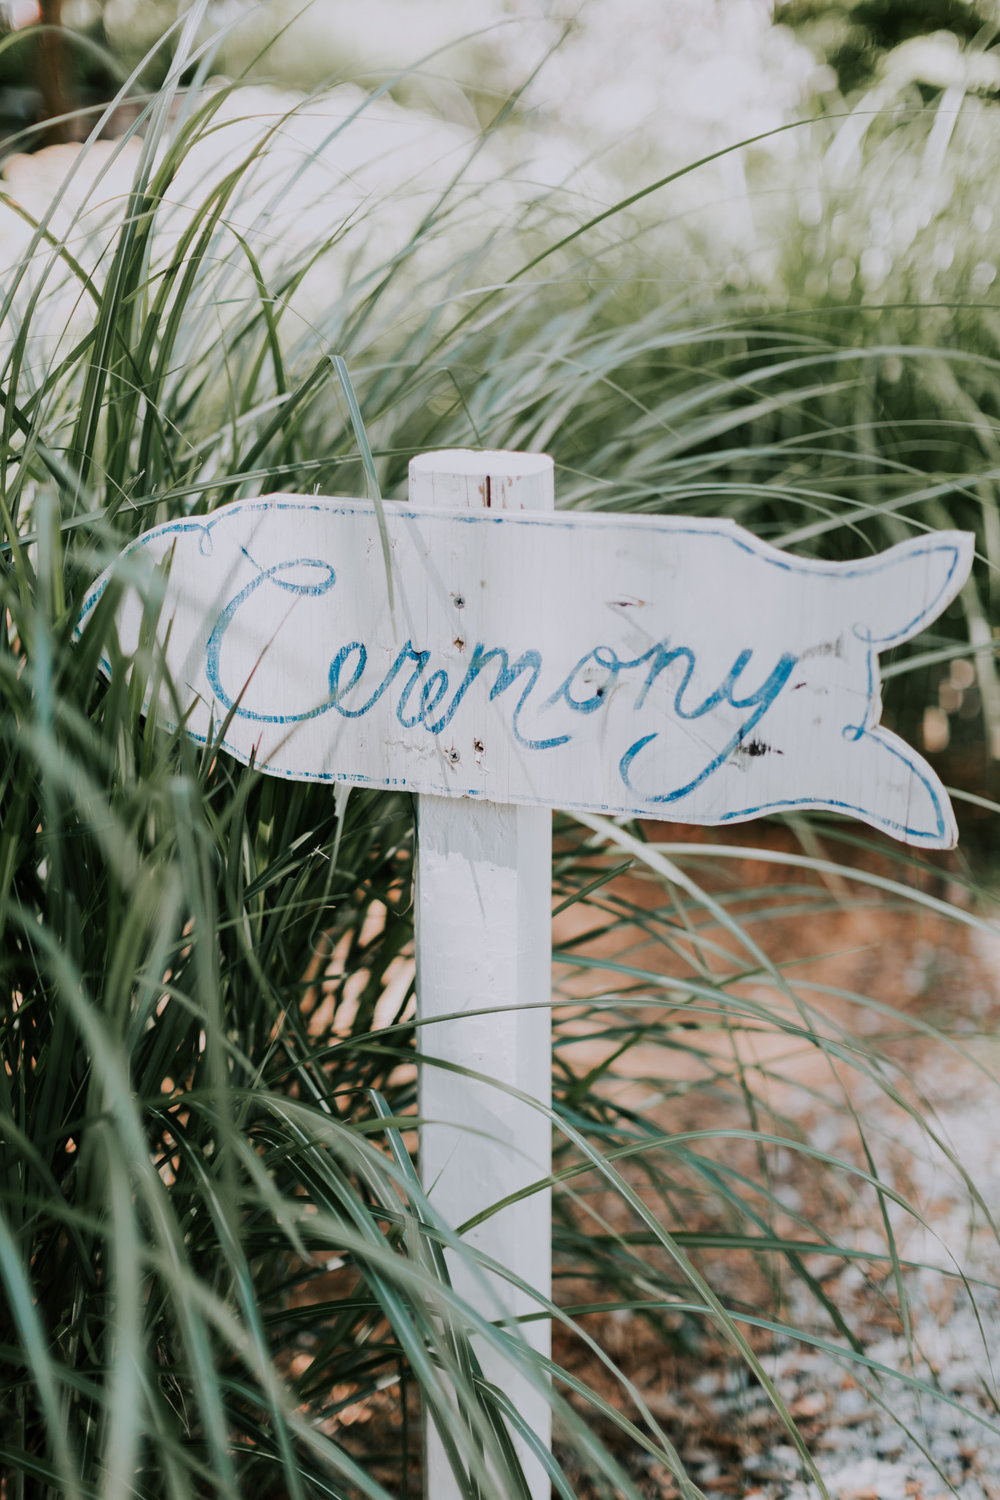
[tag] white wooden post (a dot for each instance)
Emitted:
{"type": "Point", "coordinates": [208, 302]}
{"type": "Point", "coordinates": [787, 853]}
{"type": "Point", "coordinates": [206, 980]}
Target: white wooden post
{"type": "Point", "coordinates": [650, 665]}
{"type": "Point", "coordinates": [483, 942]}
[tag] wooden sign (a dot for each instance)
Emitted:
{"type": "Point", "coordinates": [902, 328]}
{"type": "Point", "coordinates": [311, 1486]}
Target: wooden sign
{"type": "Point", "coordinates": [482, 647]}
{"type": "Point", "coordinates": [673, 668]}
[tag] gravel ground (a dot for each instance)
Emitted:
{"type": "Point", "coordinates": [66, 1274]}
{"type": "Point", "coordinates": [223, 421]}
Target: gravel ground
{"type": "Point", "coordinates": [923, 1422]}
{"type": "Point", "coordinates": [894, 1441]}
{"type": "Point", "coordinates": [920, 1420]}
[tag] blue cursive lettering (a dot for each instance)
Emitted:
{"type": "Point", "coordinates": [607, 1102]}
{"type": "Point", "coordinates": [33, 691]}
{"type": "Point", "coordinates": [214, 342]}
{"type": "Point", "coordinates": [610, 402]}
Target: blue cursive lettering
{"type": "Point", "coordinates": [429, 697]}
{"type": "Point", "coordinates": [759, 702]}
{"type": "Point", "coordinates": [213, 650]}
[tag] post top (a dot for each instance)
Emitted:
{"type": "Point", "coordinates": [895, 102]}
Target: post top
{"type": "Point", "coordinates": [476, 463]}
{"type": "Point", "coordinates": [468, 479]}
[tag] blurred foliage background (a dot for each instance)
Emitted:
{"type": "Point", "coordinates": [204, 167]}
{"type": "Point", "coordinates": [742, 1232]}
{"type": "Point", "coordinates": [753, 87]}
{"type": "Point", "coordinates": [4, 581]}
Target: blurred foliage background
{"type": "Point", "coordinates": [714, 257]}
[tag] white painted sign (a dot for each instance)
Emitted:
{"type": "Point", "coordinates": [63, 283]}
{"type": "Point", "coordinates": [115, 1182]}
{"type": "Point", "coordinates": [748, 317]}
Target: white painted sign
{"type": "Point", "coordinates": [676, 668]}
{"type": "Point", "coordinates": [672, 668]}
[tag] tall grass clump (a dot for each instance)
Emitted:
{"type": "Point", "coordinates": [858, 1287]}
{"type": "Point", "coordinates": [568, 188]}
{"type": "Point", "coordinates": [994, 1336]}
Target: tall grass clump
{"type": "Point", "coordinates": [220, 1272]}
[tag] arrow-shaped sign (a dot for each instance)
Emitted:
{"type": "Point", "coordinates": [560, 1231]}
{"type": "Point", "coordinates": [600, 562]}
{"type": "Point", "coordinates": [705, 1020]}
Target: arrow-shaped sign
{"type": "Point", "coordinates": [660, 666]}
{"type": "Point", "coordinates": [668, 667]}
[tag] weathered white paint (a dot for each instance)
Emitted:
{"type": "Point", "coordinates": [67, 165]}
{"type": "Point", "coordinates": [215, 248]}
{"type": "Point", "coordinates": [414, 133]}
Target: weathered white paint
{"type": "Point", "coordinates": [484, 945]}
{"type": "Point", "coordinates": [670, 667]}
{"type": "Point", "coordinates": [675, 668]}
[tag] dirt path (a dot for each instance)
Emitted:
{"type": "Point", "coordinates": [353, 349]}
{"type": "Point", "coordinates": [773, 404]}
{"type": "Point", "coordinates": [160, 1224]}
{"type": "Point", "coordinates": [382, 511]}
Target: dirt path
{"type": "Point", "coordinates": [923, 1118]}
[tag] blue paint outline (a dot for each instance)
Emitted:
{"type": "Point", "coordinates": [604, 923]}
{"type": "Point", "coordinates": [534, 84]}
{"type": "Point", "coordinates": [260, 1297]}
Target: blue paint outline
{"type": "Point", "coordinates": [958, 545]}
{"type": "Point", "coordinates": [612, 809]}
